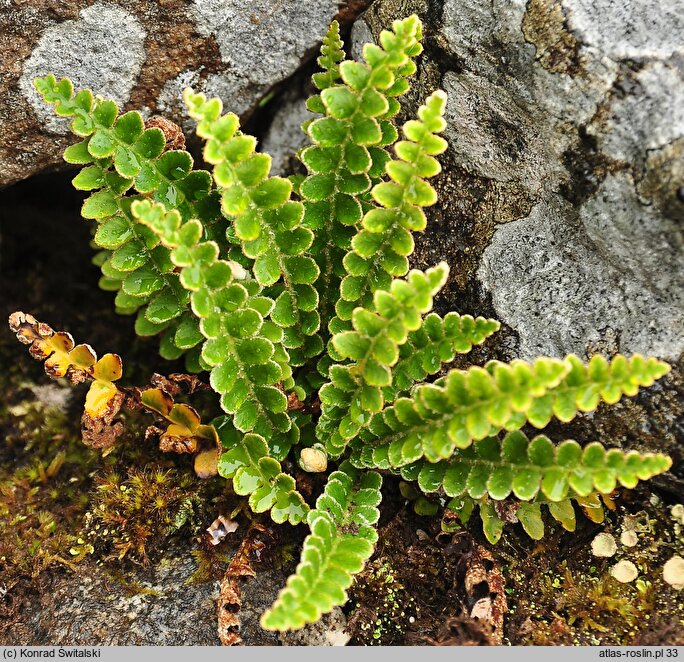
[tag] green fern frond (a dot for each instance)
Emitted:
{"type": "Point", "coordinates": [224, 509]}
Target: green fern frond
{"type": "Point", "coordinates": [348, 143]}
{"type": "Point", "coordinates": [341, 540]}
{"type": "Point", "coordinates": [434, 344]}
{"type": "Point", "coordinates": [472, 404]}
{"type": "Point", "coordinates": [332, 53]}
{"type": "Point", "coordinates": [537, 472]}
{"type": "Point", "coordinates": [525, 468]}
{"type": "Point", "coordinates": [355, 390]}
{"type": "Point", "coordinates": [381, 248]}
{"type": "Point", "coordinates": [246, 461]}
{"type": "Point", "coordinates": [529, 514]}
{"type": "Point", "coordinates": [120, 155]}
{"type": "Point", "coordinates": [241, 347]}
{"type": "Point", "coordinates": [253, 277]}
{"type": "Point", "coordinates": [267, 223]}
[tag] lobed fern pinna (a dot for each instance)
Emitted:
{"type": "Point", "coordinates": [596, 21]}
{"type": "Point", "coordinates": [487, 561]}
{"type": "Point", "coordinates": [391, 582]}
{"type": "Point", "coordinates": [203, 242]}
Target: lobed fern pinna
{"type": "Point", "coordinates": [295, 295]}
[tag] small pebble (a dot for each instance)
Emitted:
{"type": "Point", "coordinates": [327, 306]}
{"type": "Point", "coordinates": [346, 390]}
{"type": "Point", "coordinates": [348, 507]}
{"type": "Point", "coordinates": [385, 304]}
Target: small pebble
{"type": "Point", "coordinates": [629, 538]}
{"type": "Point", "coordinates": [603, 545]}
{"type": "Point", "coordinates": [678, 513]}
{"type": "Point", "coordinates": [313, 460]}
{"type": "Point", "coordinates": [673, 572]}
{"type": "Point", "coordinates": [624, 571]}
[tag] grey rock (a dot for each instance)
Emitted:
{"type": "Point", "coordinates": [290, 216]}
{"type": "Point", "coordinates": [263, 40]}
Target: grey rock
{"type": "Point", "coordinates": [285, 136]}
{"type": "Point", "coordinates": [142, 55]}
{"type": "Point", "coordinates": [648, 113]}
{"type": "Point", "coordinates": [328, 631]}
{"type": "Point", "coordinates": [360, 35]}
{"type": "Point", "coordinates": [151, 606]}
{"type": "Point", "coordinates": [628, 29]}
{"type": "Point", "coordinates": [594, 255]}
{"type": "Point", "coordinates": [154, 606]}
{"type": "Point", "coordinates": [103, 50]}
{"type": "Point", "coordinates": [274, 39]}
{"type": "Point", "coordinates": [564, 285]}
{"type": "Point", "coordinates": [170, 99]}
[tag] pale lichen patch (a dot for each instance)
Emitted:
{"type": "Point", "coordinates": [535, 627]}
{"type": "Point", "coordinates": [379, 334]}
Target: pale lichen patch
{"type": "Point", "coordinates": [102, 50]}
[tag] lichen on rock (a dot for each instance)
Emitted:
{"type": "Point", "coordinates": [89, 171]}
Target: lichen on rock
{"type": "Point", "coordinates": [102, 50]}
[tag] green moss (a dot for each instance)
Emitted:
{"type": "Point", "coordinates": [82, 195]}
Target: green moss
{"type": "Point", "coordinates": [44, 472]}
{"type": "Point", "coordinates": [383, 607]}
{"type": "Point", "coordinates": [131, 515]}
{"type": "Point", "coordinates": [574, 600]}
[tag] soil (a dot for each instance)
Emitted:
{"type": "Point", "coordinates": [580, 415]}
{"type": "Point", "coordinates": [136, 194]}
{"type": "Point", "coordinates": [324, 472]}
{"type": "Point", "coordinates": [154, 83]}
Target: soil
{"type": "Point", "coordinates": [426, 584]}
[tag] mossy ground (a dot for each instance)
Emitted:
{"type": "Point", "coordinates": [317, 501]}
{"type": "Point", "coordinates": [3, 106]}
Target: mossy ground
{"type": "Point", "coordinates": [558, 593]}
{"type": "Point", "coordinates": [412, 592]}
{"type": "Point", "coordinates": [62, 504]}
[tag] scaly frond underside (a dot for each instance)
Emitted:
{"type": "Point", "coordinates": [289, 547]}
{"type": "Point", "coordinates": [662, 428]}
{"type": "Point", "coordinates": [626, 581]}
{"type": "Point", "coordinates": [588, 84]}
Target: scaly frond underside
{"type": "Point", "coordinates": [79, 363]}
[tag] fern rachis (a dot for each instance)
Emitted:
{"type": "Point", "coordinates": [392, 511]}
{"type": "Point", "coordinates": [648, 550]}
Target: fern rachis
{"type": "Point", "coordinates": [318, 339]}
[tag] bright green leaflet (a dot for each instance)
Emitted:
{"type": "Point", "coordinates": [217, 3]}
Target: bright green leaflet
{"type": "Point", "coordinates": [468, 405]}
{"type": "Point", "coordinates": [243, 351]}
{"type": "Point", "coordinates": [355, 390]}
{"type": "Point", "coordinates": [358, 101]}
{"type": "Point", "coordinates": [120, 155]}
{"type": "Point", "coordinates": [341, 540]}
{"type": "Point", "coordinates": [267, 223]}
{"type": "Point", "coordinates": [296, 296]}
{"type": "Point", "coordinates": [381, 248]}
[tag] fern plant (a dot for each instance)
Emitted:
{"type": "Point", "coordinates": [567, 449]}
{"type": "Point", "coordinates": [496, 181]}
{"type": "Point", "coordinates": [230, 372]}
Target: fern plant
{"type": "Point", "coordinates": [296, 296]}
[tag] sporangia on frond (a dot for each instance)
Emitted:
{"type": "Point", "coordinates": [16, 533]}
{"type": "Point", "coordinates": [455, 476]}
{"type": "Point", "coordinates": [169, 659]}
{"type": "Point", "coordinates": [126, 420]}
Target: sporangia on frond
{"type": "Point", "coordinates": [78, 363]}
{"type": "Point", "coordinates": [100, 428]}
{"type": "Point", "coordinates": [295, 295]}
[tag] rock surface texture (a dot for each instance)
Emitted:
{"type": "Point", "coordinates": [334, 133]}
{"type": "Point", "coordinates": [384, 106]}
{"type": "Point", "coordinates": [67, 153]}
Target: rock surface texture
{"type": "Point", "coordinates": [154, 606]}
{"type": "Point", "coordinates": [143, 54]}
{"type": "Point", "coordinates": [151, 607]}
{"type": "Point", "coordinates": [564, 179]}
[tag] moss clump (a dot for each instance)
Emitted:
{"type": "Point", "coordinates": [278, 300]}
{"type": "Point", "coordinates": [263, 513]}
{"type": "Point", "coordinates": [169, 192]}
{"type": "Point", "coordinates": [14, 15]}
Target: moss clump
{"type": "Point", "coordinates": [44, 472]}
{"type": "Point", "coordinates": [130, 515]}
{"type": "Point", "coordinates": [574, 600]}
{"type": "Point", "coordinates": [384, 607]}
